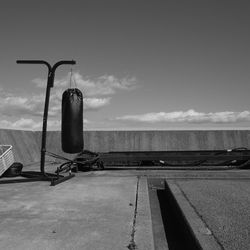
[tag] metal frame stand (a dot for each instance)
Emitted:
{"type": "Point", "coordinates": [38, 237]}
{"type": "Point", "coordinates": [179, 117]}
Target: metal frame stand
{"type": "Point", "coordinates": [43, 176]}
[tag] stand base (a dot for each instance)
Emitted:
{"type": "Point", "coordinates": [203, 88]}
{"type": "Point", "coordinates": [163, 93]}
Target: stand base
{"type": "Point", "coordinates": [32, 176]}
{"type": "Point", "coordinates": [53, 178]}
{"type": "Point", "coordinates": [56, 181]}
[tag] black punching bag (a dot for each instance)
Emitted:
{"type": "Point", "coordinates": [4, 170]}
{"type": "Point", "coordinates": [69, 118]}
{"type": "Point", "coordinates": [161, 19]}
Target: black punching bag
{"type": "Point", "coordinates": [72, 121]}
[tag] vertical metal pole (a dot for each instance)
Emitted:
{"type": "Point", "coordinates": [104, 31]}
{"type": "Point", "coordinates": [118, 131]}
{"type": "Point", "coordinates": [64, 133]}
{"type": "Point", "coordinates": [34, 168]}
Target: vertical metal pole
{"type": "Point", "coordinates": [50, 81]}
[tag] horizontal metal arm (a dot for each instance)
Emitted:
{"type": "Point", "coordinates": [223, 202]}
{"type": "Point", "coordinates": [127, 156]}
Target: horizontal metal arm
{"type": "Point", "coordinates": [52, 69]}
{"type": "Point", "coordinates": [72, 62]}
{"type": "Point", "coordinates": [34, 62]}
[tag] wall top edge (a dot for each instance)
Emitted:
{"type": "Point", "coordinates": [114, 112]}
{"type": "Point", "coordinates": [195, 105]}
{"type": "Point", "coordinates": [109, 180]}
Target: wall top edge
{"type": "Point", "coordinates": [172, 130]}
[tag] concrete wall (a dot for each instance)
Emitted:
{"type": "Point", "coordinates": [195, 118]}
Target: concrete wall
{"type": "Point", "coordinates": [27, 144]}
{"type": "Point", "coordinates": [104, 141]}
{"type": "Point", "coordinates": [24, 145]}
{"type": "Point", "coordinates": [53, 143]}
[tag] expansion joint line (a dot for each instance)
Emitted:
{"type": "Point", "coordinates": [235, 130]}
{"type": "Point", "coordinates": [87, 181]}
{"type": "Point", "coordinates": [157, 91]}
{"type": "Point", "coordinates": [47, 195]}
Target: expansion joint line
{"type": "Point", "coordinates": [132, 244]}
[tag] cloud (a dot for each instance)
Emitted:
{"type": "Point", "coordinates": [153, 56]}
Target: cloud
{"type": "Point", "coordinates": [15, 105]}
{"type": "Point", "coordinates": [30, 124]}
{"type": "Point", "coordinates": [95, 103]}
{"type": "Point", "coordinates": [190, 116]}
{"type": "Point", "coordinates": [103, 85]}
{"type": "Point", "coordinates": [12, 105]}
{"type": "Point", "coordinates": [40, 83]}
{"type": "Point", "coordinates": [25, 107]}
{"type": "Point", "coordinates": [23, 123]}
{"type": "Point", "coordinates": [93, 90]}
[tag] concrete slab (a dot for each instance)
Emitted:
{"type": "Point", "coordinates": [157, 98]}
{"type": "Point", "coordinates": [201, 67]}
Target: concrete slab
{"type": "Point", "coordinates": [199, 229]}
{"type": "Point", "coordinates": [159, 234]}
{"type": "Point", "coordinates": [96, 209]}
{"type": "Point", "coordinates": [143, 226]}
{"type": "Point", "coordinates": [83, 213]}
{"type": "Point", "coordinates": [223, 207]}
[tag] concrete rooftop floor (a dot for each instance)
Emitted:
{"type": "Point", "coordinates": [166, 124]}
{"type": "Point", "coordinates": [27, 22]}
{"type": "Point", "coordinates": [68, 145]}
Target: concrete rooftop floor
{"type": "Point", "coordinates": [111, 209]}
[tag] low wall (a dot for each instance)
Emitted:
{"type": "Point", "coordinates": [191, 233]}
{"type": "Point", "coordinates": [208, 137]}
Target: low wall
{"type": "Point", "coordinates": [24, 145]}
{"type": "Point", "coordinates": [104, 141]}
{"type": "Point", "coordinates": [27, 144]}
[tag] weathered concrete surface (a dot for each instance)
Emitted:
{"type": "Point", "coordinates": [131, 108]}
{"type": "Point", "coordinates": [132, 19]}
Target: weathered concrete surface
{"type": "Point", "coordinates": [158, 230]}
{"type": "Point", "coordinates": [201, 232]}
{"type": "Point", "coordinates": [96, 210]}
{"type": "Point", "coordinates": [143, 225]}
{"type": "Point", "coordinates": [27, 144]}
{"type": "Point", "coordinates": [24, 145]}
{"type": "Point", "coordinates": [223, 206]}
{"type": "Point", "coordinates": [104, 141]}
{"type": "Point", "coordinates": [83, 213]}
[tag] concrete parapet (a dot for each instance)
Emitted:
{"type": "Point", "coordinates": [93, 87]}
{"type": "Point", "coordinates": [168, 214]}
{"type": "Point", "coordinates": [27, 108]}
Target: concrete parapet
{"type": "Point", "coordinates": [24, 145]}
{"type": "Point", "coordinates": [27, 144]}
{"type": "Point", "coordinates": [105, 141]}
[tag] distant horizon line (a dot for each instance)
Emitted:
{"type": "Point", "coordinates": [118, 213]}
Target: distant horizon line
{"type": "Point", "coordinates": [112, 130]}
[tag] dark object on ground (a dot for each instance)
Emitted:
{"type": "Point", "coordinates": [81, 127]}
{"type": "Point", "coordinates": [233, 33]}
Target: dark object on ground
{"type": "Point", "coordinates": [147, 163]}
{"type": "Point", "coordinates": [238, 158]}
{"type": "Point", "coordinates": [87, 159]}
{"type": "Point", "coordinates": [72, 121]}
{"type": "Point", "coordinates": [14, 170]}
{"type": "Point", "coordinates": [84, 161]}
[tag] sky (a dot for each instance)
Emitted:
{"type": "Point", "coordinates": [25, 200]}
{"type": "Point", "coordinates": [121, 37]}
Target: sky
{"type": "Point", "coordinates": [141, 65]}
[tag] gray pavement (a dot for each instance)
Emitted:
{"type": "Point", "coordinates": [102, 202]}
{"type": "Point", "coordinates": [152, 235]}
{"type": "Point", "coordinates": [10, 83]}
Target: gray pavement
{"type": "Point", "coordinates": [82, 213]}
{"type": "Point", "coordinates": [109, 209]}
{"type": "Point", "coordinates": [224, 207]}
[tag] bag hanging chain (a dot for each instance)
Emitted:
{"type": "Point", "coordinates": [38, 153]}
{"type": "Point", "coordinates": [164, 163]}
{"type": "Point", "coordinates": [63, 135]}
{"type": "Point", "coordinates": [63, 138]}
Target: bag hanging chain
{"type": "Point", "coordinates": [72, 79]}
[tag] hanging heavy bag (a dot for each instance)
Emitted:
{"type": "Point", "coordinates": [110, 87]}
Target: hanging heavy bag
{"type": "Point", "coordinates": [72, 121]}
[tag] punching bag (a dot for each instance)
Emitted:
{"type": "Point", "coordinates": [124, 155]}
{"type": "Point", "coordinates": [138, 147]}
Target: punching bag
{"type": "Point", "coordinates": [72, 121]}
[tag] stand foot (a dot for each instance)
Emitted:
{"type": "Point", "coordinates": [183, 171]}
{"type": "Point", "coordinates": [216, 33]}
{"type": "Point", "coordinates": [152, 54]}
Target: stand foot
{"type": "Point", "coordinates": [55, 181]}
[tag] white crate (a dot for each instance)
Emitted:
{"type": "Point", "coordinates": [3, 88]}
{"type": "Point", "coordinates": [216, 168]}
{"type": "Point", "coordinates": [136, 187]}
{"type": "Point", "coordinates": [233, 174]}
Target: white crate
{"type": "Point", "coordinates": [6, 158]}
